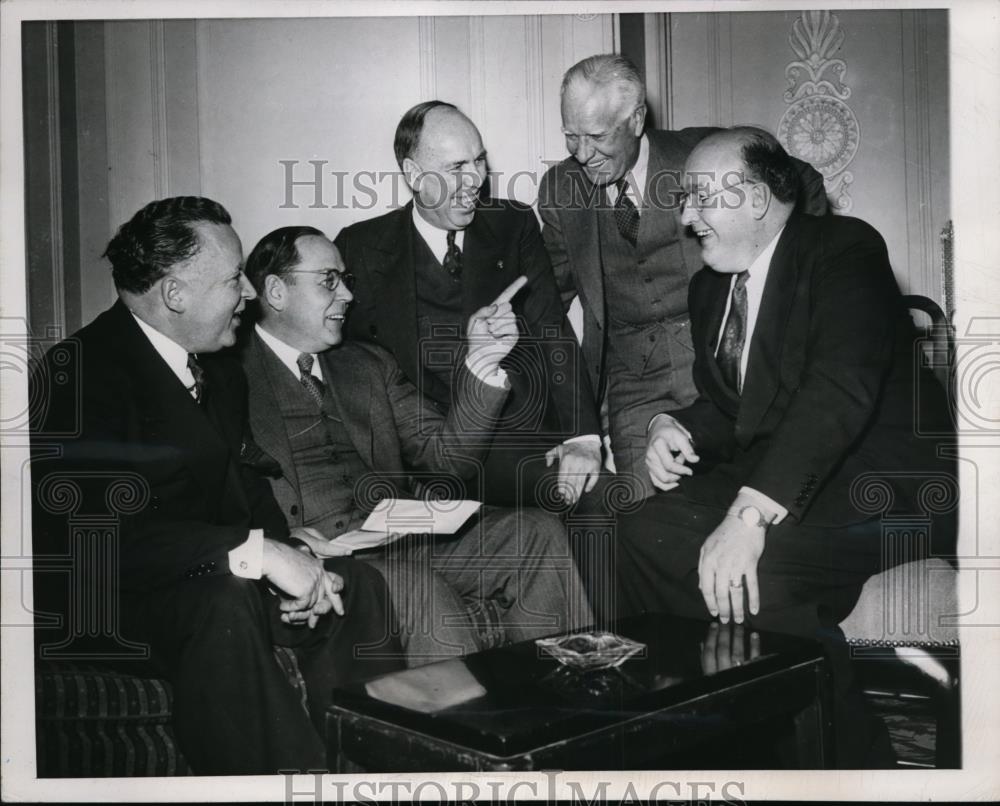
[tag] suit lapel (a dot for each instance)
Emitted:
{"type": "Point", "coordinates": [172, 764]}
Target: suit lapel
{"type": "Point", "coordinates": [355, 402]}
{"type": "Point", "coordinates": [768, 346]}
{"type": "Point", "coordinates": [266, 422]}
{"type": "Point", "coordinates": [483, 272]}
{"type": "Point", "coordinates": [394, 289]}
{"type": "Point", "coordinates": [659, 221]}
{"type": "Point", "coordinates": [583, 234]}
{"type": "Point", "coordinates": [171, 416]}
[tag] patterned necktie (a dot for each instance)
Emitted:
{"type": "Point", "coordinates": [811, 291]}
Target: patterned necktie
{"type": "Point", "coordinates": [453, 258]}
{"type": "Point", "coordinates": [734, 335]}
{"type": "Point", "coordinates": [197, 389]}
{"type": "Point", "coordinates": [626, 216]}
{"type": "Point", "coordinates": [312, 384]}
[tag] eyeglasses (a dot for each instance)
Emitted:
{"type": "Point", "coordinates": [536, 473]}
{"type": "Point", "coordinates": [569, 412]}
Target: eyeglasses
{"type": "Point", "coordinates": [331, 277]}
{"type": "Point", "coordinates": [700, 200]}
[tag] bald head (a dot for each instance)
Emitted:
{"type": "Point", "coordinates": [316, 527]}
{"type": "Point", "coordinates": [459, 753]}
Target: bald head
{"type": "Point", "coordinates": [740, 187]}
{"type": "Point", "coordinates": [443, 159]}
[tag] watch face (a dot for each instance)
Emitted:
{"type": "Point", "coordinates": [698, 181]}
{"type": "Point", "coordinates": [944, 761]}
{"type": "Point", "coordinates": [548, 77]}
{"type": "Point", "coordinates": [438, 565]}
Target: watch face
{"type": "Point", "coordinates": [751, 516]}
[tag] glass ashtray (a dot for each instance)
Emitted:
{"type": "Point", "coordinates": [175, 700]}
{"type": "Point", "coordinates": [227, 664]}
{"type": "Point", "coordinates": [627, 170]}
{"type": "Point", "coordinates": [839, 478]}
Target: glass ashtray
{"type": "Point", "coordinates": [590, 650]}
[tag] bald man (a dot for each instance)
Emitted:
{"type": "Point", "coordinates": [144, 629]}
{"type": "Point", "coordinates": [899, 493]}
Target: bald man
{"type": "Point", "coordinates": [424, 269]}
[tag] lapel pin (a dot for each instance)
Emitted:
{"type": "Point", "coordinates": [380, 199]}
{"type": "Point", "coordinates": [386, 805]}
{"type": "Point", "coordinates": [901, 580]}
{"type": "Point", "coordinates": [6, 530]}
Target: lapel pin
{"type": "Point", "coordinates": [499, 265]}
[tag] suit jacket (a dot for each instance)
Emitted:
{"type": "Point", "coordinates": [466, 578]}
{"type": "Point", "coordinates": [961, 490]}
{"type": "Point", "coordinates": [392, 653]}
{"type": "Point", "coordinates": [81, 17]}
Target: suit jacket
{"type": "Point", "coordinates": [394, 429]}
{"type": "Point", "coordinates": [501, 243]}
{"type": "Point", "coordinates": [569, 204]}
{"type": "Point", "coordinates": [828, 396]}
{"type": "Point", "coordinates": [117, 413]}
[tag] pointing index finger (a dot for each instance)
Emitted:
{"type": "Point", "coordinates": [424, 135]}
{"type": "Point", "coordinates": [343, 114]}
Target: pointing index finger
{"type": "Point", "coordinates": [510, 291]}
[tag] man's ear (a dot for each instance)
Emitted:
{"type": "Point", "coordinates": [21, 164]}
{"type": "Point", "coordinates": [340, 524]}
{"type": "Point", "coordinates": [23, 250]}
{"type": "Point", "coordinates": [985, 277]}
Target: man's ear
{"type": "Point", "coordinates": [412, 173]}
{"type": "Point", "coordinates": [174, 292]}
{"type": "Point", "coordinates": [275, 292]}
{"type": "Point", "coordinates": [760, 199]}
{"type": "Point", "coordinates": [639, 120]}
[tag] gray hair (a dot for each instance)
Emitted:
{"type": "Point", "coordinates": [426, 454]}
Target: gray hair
{"type": "Point", "coordinates": [607, 69]}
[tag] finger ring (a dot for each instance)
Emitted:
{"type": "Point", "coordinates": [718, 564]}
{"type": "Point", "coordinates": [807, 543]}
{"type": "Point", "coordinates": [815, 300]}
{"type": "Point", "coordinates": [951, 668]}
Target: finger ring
{"type": "Point", "coordinates": [735, 583]}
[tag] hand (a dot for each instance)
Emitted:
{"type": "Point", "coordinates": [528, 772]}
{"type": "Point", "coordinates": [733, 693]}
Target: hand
{"type": "Point", "coordinates": [669, 450]}
{"type": "Point", "coordinates": [302, 580]}
{"type": "Point", "coordinates": [725, 647]}
{"type": "Point", "coordinates": [579, 468]}
{"type": "Point", "coordinates": [492, 331]}
{"type": "Point", "coordinates": [318, 544]}
{"type": "Point", "coordinates": [333, 584]}
{"type": "Point", "coordinates": [728, 556]}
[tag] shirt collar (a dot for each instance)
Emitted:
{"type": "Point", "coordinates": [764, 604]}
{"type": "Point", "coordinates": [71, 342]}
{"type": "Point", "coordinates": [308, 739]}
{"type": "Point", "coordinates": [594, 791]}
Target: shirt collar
{"type": "Point", "coordinates": [169, 350]}
{"type": "Point", "coordinates": [434, 237]}
{"type": "Point", "coordinates": [287, 354]}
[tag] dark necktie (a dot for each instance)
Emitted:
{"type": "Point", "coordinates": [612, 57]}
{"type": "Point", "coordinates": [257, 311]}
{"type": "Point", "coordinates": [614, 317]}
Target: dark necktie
{"type": "Point", "coordinates": [198, 387]}
{"type": "Point", "coordinates": [312, 384]}
{"type": "Point", "coordinates": [626, 216]}
{"type": "Point", "coordinates": [734, 335]}
{"type": "Point", "coordinates": [453, 258]}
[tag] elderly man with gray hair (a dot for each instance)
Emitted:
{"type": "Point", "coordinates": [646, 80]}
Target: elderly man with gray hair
{"type": "Point", "coordinates": [612, 229]}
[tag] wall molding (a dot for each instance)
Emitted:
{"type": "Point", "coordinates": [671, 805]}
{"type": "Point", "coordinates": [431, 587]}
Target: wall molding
{"type": "Point", "coordinates": [427, 39]}
{"type": "Point", "coordinates": [720, 67]}
{"type": "Point", "coordinates": [158, 106]}
{"type": "Point", "coordinates": [659, 76]}
{"type": "Point", "coordinates": [203, 41]}
{"type": "Point", "coordinates": [534, 91]}
{"type": "Point", "coordinates": [922, 241]}
{"type": "Point", "coordinates": [477, 69]}
{"type": "Point", "coordinates": [54, 154]}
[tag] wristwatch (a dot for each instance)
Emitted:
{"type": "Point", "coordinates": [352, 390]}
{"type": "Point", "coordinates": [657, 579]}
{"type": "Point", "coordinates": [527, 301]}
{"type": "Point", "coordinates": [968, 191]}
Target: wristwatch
{"type": "Point", "coordinates": [750, 515]}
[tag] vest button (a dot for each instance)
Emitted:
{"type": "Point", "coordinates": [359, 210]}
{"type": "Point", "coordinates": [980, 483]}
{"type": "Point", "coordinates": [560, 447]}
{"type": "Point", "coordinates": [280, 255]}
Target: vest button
{"type": "Point", "coordinates": [294, 509]}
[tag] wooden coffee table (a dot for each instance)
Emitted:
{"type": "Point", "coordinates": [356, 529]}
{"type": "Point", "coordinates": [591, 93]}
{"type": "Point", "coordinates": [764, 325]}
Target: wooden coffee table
{"type": "Point", "coordinates": [696, 686]}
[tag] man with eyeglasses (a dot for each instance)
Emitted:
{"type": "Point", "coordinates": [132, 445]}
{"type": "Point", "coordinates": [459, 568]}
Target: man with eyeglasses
{"type": "Point", "coordinates": [808, 394]}
{"type": "Point", "coordinates": [143, 413]}
{"type": "Point", "coordinates": [423, 269]}
{"type": "Point", "coordinates": [610, 216]}
{"type": "Point", "coordinates": [337, 427]}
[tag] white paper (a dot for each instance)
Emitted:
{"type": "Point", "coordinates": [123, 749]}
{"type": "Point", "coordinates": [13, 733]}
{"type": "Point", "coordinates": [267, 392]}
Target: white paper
{"type": "Point", "coordinates": [408, 517]}
{"type": "Point", "coordinates": [393, 518]}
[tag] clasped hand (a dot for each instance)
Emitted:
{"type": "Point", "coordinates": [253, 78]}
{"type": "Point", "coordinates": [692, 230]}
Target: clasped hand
{"type": "Point", "coordinates": [308, 589]}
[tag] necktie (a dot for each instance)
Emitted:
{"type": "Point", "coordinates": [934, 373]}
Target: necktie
{"type": "Point", "coordinates": [626, 216]}
{"type": "Point", "coordinates": [453, 258]}
{"type": "Point", "coordinates": [197, 389]}
{"type": "Point", "coordinates": [312, 384]}
{"type": "Point", "coordinates": [734, 335]}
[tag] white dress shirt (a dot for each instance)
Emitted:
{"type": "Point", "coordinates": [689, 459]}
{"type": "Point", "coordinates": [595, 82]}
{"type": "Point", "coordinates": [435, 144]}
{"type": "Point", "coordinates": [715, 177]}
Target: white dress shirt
{"type": "Point", "coordinates": [247, 559]}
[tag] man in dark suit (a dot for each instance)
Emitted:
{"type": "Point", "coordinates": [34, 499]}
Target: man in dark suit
{"type": "Point", "coordinates": [208, 574]}
{"type": "Point", "coordinates": [424, 269]}
{"type": "Point", "coordinates": [347, 429]}
{"type": "Point", "coordinates": [611, 227]}
{"type": "Point", "coordinates": [805, 373]}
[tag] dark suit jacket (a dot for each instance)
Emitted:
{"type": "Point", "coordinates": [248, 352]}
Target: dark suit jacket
{"type": "Point", "coordinates": [502, 242]}
{"type": "Point", "coordinates": [119, 413]}
{"type": "Point", "coordinates": [828, 397]}
{"type": "Point", "coordinates": [568, 204]}
{"type": "Point", "coordinates": [391, 425]}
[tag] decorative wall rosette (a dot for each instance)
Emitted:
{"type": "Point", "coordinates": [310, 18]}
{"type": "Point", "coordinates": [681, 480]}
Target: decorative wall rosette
{"type": "Point", "coordinates": [819, 126]}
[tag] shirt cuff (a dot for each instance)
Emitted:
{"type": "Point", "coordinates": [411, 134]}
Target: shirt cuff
{"type": "Point", "coordinates": [671, 420]}
{"type": "Point", "coordinates": [769, 504]}
{"type": "Point", "coordinates": [497, 378]}
{"type": "Point", "coordinates": [247, 559]}
{"type": "Point", "coordinates": [589, 439]}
